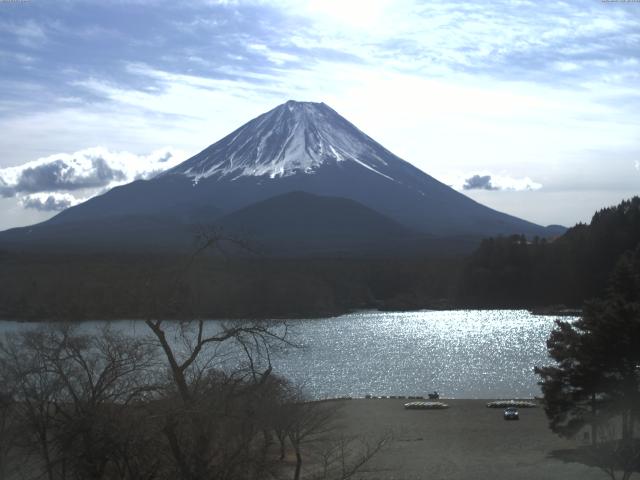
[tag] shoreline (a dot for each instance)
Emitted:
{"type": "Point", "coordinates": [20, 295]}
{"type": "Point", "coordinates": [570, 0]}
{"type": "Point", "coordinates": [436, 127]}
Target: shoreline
{"type": "Point", "coordinates": [541, 311]}
{"type": "Point", "coordinates": [537, 400]}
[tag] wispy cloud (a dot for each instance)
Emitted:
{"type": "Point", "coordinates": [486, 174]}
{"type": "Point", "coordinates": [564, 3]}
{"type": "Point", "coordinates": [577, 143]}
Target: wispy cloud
{"type": "Point", "coordinates": [29, 33]}
{"type": "Point", "coordinates": [551, 42]}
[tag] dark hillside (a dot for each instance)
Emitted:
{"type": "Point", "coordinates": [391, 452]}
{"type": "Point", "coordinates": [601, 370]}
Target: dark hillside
{"type": "Point", "coordinates": [511, 271]}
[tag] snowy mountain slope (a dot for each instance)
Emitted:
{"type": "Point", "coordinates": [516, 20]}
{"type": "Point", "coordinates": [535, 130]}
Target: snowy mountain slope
{"type": "Point", "coordinates": [294, 138]}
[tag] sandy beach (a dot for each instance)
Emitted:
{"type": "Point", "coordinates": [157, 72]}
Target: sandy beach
{"type": "Point", "coordinates": [466, 441]}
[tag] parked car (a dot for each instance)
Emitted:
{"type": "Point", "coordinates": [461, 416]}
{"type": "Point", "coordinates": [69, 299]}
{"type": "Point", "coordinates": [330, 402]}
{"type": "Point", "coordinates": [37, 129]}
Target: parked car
{"type": "Point", "coordinates": [511, 413]}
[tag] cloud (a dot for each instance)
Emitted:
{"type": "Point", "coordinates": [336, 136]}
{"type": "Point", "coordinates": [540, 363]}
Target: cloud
{"type": "Point", "coordinates": [492, 182]}
{"type": "Point", "coordinates": [165, 158]}
{"type": "Point", "coordinates": [61, 174]}
{"type": "Point", "coordinates": [52, 202]}
{"type": "Point", "coordinates": [59, 181]}
{"type": "Point", "coordinates": [479, 182]}
{"type": "Point", "coordinates": [637, 165]}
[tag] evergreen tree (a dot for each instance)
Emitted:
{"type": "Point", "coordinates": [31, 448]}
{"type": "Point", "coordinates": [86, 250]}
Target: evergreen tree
{"type": "Point", "coordinates": [596, 380]}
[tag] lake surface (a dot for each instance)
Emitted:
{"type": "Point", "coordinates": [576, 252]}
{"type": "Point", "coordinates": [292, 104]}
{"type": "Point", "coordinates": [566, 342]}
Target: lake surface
{"type": "Point", "coordinates": [461, 353]}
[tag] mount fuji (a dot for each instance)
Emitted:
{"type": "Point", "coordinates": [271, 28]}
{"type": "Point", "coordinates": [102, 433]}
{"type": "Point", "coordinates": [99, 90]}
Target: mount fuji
{"type": "Point", "coordinates": [297, 178]}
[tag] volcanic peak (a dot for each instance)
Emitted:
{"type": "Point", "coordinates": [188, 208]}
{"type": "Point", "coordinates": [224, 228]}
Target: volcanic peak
{"type": "Point", "coordinates": [293, 138]}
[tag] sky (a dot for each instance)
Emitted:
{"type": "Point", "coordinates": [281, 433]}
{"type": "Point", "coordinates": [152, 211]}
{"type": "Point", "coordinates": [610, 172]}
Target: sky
{"type": "Point", "coordinates": [531, 108]}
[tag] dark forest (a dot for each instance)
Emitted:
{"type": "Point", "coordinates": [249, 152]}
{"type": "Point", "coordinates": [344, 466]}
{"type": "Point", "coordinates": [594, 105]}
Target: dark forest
{"type": "Point", "coordinates": [503, 272]}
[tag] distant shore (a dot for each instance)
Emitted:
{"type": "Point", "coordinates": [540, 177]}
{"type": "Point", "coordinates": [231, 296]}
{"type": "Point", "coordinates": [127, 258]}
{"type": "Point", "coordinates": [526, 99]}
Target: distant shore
{"type": "Point", "coordinates": [557, 311]}
{"type": "Point", "coordinates": [554, 311]}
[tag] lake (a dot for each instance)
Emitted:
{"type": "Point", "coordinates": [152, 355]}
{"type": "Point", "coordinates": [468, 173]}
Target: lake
{"type": "Point", "coordinates": [459, 353]}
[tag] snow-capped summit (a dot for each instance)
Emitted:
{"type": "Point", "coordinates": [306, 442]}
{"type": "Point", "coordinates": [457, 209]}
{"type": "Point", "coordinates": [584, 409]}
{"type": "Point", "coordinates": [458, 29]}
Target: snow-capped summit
{"type": "Point", "coordinates": [295, 137]}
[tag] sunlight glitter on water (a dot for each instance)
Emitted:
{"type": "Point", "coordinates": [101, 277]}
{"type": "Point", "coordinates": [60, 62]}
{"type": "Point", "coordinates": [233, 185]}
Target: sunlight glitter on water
{"type": "Point", "coordinates": [461, 354]}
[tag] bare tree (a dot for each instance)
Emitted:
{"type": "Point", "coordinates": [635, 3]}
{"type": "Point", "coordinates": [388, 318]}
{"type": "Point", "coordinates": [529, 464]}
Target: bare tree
{"type": "Point", "coordinates": [308, 422]}
{"type": "Point", "coordinates": [216, 369]}
{"type": "Point", "coordinates": [343, 457]}
{"type": "Point", "coordinates": [7, 428]}
{"type": "Point", "coordinates": [314, 433]}
{"type": "Point", "coordinates": [212, 421]}
{"type": "Point", "coordinates": [36, 393]}
{"type": "Point", "coordinates": [71, 391]}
